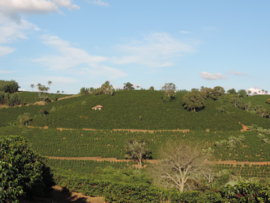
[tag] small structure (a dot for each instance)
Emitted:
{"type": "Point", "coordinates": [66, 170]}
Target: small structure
{"type": "Point", "coordinates": [98, 107]}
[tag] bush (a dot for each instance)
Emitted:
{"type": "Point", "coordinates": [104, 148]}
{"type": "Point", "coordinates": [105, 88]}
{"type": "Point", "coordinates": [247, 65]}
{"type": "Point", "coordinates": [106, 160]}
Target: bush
{"type": "Point", "coordinates": [268, 101]}
{"type": "Point", "coordinates": [25, 173]}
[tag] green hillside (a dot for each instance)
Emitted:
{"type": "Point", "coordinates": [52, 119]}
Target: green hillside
{"type": "Point", "coordinates": [32, 97]}
{"type": "Point", "coordinates": [258, 100]}
{"type": "Point", "coordinates": [108, 144]}
{"type": "Point", "coordinates": [140, 109]}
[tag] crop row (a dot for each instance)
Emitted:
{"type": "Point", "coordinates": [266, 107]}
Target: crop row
{"type": "Point", "coordinates": [110, 144]}
{"type": "Point", "coordinates": [260, 171]}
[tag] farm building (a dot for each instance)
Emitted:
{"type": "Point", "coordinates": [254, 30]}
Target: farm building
{"type": "Point", "coordinates": [98, 107]}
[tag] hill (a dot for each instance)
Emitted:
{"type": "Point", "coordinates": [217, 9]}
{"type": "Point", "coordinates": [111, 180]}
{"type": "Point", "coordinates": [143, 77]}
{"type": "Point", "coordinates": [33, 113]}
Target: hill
{"type": "Point", "coordinates": [142, 109]}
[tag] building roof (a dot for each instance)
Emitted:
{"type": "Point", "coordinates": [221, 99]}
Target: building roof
{"type": "Point", "coordinates": [98, 106]}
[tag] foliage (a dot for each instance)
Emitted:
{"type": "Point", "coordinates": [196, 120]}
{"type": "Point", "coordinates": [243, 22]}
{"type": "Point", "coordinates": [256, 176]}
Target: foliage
{"type": "Point", "coordinates": [194, 100]}
{"type": "Point", "coordinates": [217, 92]}
{"type": "Point", "coordinates": [24, 173]}
{"type": "Point", "coordinates": [232, 91]}
{"type": "Point", "coordinates": [268, 101]}
{"type": "Point", "coordinates": [9, 86]}
{"type": "Point", "coordinates": [169, 89]}
{"type": "Point", "coordinates": [135, 149]}
{"type": "Point", "coordinates": [242, 93]}
{"type": "Point", "coordinates": [43, 112]}
{"type": "Point", "coordinates": [246, 192]}
{"type": "Point", "coordinates": [128, 86]}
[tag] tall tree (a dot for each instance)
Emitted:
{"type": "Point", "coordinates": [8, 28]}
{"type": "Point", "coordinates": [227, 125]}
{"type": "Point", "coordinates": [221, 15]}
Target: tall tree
{"type": "Point", "coordinates": [232, 91]}
{"type": "Point", "coordinates": [49, 83]}
{"type": "Point", "coordinates": [194, 100]}
{"type": "Point", "coordinates": [136, 150]}
{"type": "Point", "coordinates": [169, 89]}
{"type": "Point", "coordinates": [152, 88]}
{"type": "Point", "coordinates": [180, 162]}
{"type": "Point", "coordinates": [32, 86]}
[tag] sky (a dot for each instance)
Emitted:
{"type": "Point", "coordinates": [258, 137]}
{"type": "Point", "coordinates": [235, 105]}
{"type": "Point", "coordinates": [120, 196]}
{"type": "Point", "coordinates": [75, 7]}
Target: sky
{"type": "Point", "coordinates": [83, 43]}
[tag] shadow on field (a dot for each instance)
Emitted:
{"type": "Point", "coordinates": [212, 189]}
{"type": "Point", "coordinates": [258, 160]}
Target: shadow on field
{"type": "Point", "coordinates": [63, 195]}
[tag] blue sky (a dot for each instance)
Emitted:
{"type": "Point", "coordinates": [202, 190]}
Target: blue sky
{"type": "Point", "coordinates": [83, 43]}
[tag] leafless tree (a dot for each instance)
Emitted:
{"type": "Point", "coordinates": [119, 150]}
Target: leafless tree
{"type": "Point", "coordinates": [181, 165]}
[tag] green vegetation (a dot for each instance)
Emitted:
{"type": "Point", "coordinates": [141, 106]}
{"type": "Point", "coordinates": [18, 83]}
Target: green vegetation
{"type": "Point", "coordinates": [107, 144]}
{"type": "Point", "coordinates": [8, 86]}
{"type": "Point", "coordinates": [23, 173]}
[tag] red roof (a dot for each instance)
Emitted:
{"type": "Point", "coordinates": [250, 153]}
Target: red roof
{"type": "Point", "coordinates": [98, 106]}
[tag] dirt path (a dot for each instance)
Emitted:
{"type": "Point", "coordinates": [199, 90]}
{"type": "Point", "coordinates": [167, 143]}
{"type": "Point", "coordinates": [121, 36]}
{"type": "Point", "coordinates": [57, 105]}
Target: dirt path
{"type": "Point", "coordinates": [234, 163]}
{"type": "Point", "coordinates": [62, 195]}
{"type": "Point", "coordinates": [68, 97]}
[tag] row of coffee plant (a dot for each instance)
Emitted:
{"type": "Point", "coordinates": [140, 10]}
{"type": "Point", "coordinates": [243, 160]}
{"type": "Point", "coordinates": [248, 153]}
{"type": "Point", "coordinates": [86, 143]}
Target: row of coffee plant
{"type": "Point", "coordinates": [110, 144]}
{"type": "Point", "coordinates": [248, 171]}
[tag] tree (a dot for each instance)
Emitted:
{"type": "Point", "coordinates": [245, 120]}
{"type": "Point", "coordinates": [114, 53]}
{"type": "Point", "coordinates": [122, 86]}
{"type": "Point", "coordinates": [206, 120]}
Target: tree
{"type": "Point", "coordinates": [62, 92]}
{"type": "Point", "coordinates": [242, 93]}
{"type": "Point", "coordinates": [136, 150]}
{"type": "Point", "coordinates": [206, 91]}
{"type": "Point", "coordinates": [231, 91]}
{"type": "Point", "coordinates": [249, 92]}
{"type": "Point", "coordinates": [58, 92]}
{"type": "Point", "coordinates": [217, 92]}
{"type": "Point", "coordinates": [32, 86]}
{"type": "Point", "coordinates": [49, 83]}
{"type": "Point", "coordinates": [169, 89]}
{"type": "Point", "coordinates": [152, 88]}
{"type": "Point", "coordinates": [128, 86]}
{"type": "Point", "coordinates": [181, 164]}
{"type": "Point", "coordinates": [107, 88]}
{"type": "Point", "coordinates": [194, 100]}
{"type": "Point", "coordinates": [23, 172]}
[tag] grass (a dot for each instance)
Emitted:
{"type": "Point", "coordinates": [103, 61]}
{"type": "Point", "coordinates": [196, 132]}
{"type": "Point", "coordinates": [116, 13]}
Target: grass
{"type": "Point", "coordinates": [258, 100]}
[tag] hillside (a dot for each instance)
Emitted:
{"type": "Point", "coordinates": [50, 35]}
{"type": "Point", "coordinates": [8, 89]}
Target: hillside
{"type": "Point", "coordinates": [141, 109]}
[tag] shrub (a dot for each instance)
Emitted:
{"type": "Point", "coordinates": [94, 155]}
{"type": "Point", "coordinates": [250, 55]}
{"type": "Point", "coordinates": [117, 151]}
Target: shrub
{"type": "Point", "coordinates": [25, 172]}
{"type": "Point", "coordinates": [268, 101]}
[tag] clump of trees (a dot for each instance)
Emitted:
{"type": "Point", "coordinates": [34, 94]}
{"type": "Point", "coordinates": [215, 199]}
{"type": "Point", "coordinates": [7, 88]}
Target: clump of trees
{"type": "Point", "coordinates": [106, 88]}
{"type": "Point", "coordinates": [9, 86]}
{"type": "Point", "coordinates": [9, 99]}
{"type": "Point", "coordinates": [24, 173]}
{"type": "Point", "coordinates": [128, 86]}
{"type": "Point", "coordinates": [194, 100]}
{"type": "Point", "coordinates": [136, 150]}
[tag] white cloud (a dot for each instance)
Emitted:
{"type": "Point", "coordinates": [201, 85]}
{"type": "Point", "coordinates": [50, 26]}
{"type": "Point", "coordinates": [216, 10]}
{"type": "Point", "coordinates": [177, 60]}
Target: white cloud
{"type": "Point", "coordinates": [212, 76]}
{"type": "Point", "coordinates": [236, 73]}
{"type": "Point", "coordinates": [34, 6]}
{"type": "Point", "coordinates": [5, 71]}
{"type": "Point", "coordinates": [157, 50]}
{"type": "Point", "coordinates": [99, 3]}
{"type": "Point", "coordinates": [184, 32]}
{"type": "Point", "coordinates": [5, 50]}
{"type": "Point", "coordinates": [71, 57]}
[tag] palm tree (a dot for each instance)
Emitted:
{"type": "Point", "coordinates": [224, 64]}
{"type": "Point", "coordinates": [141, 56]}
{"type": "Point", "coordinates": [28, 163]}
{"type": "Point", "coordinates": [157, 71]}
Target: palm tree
{"type": "Point", "coordinates": [39, 88]}
{"type": "Point", "coordinates": [32, 86]}
{"type": "Point", "coordinates": [58, 92]}
{"type": "Point", "coordinates": [49, 83]}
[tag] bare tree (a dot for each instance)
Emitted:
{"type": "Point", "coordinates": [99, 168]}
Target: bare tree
{"type": "Point", "coordinates": [136, 150]}
{"type": "Point", "coordinates": [181, 165]}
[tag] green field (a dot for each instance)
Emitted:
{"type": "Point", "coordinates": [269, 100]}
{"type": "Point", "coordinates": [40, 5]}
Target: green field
{"type": "Point", "coordinates": [107, 144]}
{"type": "Point", "coordinates": [258, 100]}
{"type": "Point", "coordinates": [134, 110]}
